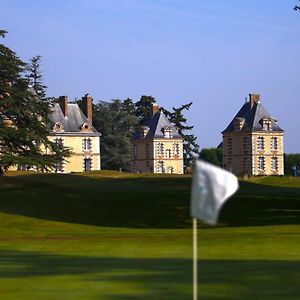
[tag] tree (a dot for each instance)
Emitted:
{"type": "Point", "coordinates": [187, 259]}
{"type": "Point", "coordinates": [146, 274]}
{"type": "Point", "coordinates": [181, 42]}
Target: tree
{"type": "Point", "coordinates": [35, 76]}
{"type": "Point", "coordinates": [143, 107]}
{"type": "Point", "coordinates": [190, 145]}
{"type": "Point", "coordinates": [115, 121]}
{"type": "Point", "coordinates": [23, 119]}
{"type": "Point", "coordinates": [291, 160]}
{"type": "Point", "coordinates": [213, 156]}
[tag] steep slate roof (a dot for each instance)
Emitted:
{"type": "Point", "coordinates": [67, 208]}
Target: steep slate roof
{"type": "Point", "coordinates": [156, 123]}
{"type": "Point", "coordinates": [252, 117]}
{"type": "Point", "coordinates": [72, 122]}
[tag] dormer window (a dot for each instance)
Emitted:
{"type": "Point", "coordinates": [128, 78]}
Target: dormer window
{"type": "Point", "coordinates": [85, 127]}
{"type": "Point", "coordinates": [238, 123]}
{"type": "Point", "coordinates": [167, 131]}
{"type": "Point", "coordinates": [58, 127]}
{"type": "Point", "coordinates": [266, 123]}
{"type": "Point", "coordinates": [144, 131]}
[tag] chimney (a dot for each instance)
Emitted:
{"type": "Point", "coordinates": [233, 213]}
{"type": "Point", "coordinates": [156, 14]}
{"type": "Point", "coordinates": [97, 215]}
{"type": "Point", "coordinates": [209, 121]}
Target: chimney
{"type": "Point", "coordinates": [254, 98]}
{"type": "Point", "coordinates": [87, 107]}
{"type": "Point", "coordinates": [155, 108]}
{"type": "Point", "coordinates": [63, 103]}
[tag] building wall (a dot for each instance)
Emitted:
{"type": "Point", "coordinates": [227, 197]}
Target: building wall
{"type": "Point", "coordinates": [75, 163]}
{"type": "Point", "coordinates": [148, 159]}
{"type": "Point", "coordinates": [267, 153]}
{"type": "Point", "coordinates": [242, 155]}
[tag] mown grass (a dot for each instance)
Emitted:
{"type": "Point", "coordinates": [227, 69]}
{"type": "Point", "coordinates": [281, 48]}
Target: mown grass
{"type": "Point", "coordinates": [111, 236]}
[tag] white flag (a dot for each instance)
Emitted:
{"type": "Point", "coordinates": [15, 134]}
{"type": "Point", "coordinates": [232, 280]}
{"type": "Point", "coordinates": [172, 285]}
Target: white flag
{"type": "Point", "coordinates": [211, 187]}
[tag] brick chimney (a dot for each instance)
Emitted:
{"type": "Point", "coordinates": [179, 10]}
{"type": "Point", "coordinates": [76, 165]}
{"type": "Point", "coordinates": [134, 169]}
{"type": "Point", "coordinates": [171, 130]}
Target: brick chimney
{"type": "Point", "coordinates": [155, 108]}
{"type": "Point", "coordinates": [254, 98]}
{"type": "Point", "coordinates": [87, 107]}
{"type": "Point", "coordinates": [63, 103]}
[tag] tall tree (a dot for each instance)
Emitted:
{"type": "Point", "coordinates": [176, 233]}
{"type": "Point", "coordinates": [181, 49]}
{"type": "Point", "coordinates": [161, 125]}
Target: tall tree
{"type": "Point", "coordinates": [34, 74]}
{"type": "Point", "coordinates": [190, 145]}
{"type": "Point", "coordinates": [23, 119]}
{"type": "Point", "coordinates": [143, 107]}
{"type": "Point", "coordinates": [115, 121]}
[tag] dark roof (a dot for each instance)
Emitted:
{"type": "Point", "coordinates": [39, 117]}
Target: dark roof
{"type": "Point", "coordinates": [155, 126]}
{"type": "Point", "coordinates": [252, 119]}
{"type": "Point", "coordinates": [72, 122]}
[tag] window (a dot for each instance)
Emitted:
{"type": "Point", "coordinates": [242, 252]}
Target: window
{"type": "Point", "coordinates": [147, 151]}
{"type": "Point", "coordinates": [229, 146]}
{"type": "Point", "coordinates": [87, 164]}
{"type": "Point", "coordinates": [238, 123]}
{"type": "Point", "coordinates": [160, 167]}
{"type": "Point", "coordinates": [176, 149]}
{"type": "Point", "coordinates": [59, 167]}
{"type": "Point", "coordinates": [134, 149]}
{"type": "Point", "coordinates": [59, 141]}
{"type": "Point", "coordinates": [167, 132]}
{"type": "Point", "coordinates": [267, 124]}
{"type": "Point", "coordinates": [87, 144]}
{"type": "Point", "coordinates": [160, 148]}
{"type": "Point", "coordinates": [261, 163]}
{"type": "Point", "coordinates": [144, 131]}
{"type": "Point", "coordinates": [246, 145]}
{"type": "Point", "coordinates": [274, 143]}
{"type": "Point", "coordinates": [260, 143]}
{"type": "Point", "coordinates": [168, 153]}
{"type": "Point", "coordinates": [274, 163]}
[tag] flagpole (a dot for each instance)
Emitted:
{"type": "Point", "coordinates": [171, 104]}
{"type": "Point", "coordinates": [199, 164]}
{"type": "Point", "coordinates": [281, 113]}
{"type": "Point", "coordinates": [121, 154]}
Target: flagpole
{"type": "Point", "coordinates": [195, 271]}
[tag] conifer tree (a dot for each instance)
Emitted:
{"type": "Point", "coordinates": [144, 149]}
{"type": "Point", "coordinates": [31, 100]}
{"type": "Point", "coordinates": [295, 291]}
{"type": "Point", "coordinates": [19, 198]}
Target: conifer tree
{"type": "Point", "coordinates": [143, 107]}
{"type": "Point", "coordinates": [35, 76]}
{"type": "Point", "coordinates": [23, 119]}
{"type": "Point", "coordinates": [190, 145]}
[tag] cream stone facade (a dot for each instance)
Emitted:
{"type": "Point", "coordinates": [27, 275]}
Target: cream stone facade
{"type": "Point", "coordinates": [253, 142]}
{"type": "Point", "coordinates": [73, 128]}
{"type": "Point", "coordinates": [157, 147]}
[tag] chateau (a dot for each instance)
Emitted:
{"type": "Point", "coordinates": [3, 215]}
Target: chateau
{"type": "Point", "coordinates": [253, 141]}
{"type": "Point", "coordinates": [157, 147]}
{"type": "Point", "coordinates": [73, 128]}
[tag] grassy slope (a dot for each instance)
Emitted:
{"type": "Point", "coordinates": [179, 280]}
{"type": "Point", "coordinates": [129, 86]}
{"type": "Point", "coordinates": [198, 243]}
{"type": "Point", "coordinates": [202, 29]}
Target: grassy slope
{"type": "Point", "coordinates": [114, 236]}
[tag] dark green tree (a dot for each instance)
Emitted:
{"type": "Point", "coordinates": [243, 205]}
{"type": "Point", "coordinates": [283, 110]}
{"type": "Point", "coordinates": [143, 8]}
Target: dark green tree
{"type": "Point", "coordinates": [191, 148]}
{"type": "Point", "coordinates": [291, 160]}
{"type": "Point", "coordinates": [115, 121]}
{"type": "Point", "coordinates": [213, 156]}
{"type": "Point", "coordinates": [35, 77]}
{"type": "Point", "coordinates": [143, 107]}
{"type": "Point", "coordinates": [23, 119]}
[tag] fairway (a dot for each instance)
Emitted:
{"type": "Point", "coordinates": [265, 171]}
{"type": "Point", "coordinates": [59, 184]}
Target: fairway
{"type": "Point", "coordinates": [116, 236]}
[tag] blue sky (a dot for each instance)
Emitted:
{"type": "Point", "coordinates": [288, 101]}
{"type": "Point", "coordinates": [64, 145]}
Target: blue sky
{"type": "Point", "coordinates": [211, 52]}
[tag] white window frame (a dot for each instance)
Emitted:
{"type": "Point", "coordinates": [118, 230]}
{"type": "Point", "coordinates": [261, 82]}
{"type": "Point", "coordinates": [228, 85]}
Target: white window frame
{"type": "Point", "coordinates": [261, 163]}
{"type": "Point", "coordinates": [274, 143]}
{"type": "Point", "coordinates": [260, 143]}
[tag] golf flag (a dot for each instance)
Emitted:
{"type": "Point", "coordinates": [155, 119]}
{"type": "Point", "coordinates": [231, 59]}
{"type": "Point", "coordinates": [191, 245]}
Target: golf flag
{"type": "Point", "coordinates": [211, 187]}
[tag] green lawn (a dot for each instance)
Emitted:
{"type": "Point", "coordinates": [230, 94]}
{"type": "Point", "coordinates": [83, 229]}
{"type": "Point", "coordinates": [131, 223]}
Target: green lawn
{"type": "Point", "coordinates": [116, 236]}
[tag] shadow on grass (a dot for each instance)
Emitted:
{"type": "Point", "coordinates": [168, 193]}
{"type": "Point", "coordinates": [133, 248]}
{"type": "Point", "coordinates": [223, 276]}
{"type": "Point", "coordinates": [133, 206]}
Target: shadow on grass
{"type": "Point", "coordinates": [142, 202]}
{"type": "Point", "coordinates": [160, 278]}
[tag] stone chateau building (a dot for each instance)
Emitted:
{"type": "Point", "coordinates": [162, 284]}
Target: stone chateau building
{"type": "Point", "coordinates": [253, 141]}
{"type": "Point", "coordinates": [157, 147]}
{"type": "Point", "coordinates": [73, 128]}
